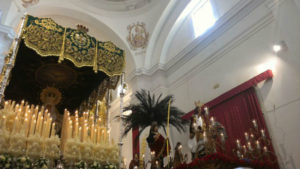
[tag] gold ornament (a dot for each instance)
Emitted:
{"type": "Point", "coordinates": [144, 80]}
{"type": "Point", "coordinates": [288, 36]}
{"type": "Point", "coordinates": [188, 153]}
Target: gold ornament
{"type": "Point", "coordinates": [50, 95]}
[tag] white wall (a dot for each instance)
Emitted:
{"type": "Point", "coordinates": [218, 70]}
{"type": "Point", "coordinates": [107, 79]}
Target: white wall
{"type": "Point", "coordinates": [251, 55]}
{"type": "Point", "coordinates": [241, 52]}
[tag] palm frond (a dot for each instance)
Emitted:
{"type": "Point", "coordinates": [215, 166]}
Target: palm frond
{"type": "Point", "coordinates": [150, 109]}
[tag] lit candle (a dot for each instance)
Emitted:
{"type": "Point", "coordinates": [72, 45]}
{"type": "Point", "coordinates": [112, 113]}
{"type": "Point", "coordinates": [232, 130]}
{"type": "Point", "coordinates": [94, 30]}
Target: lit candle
{"type": "Point", "coordinates": [212, 120]}
{"type": "Point", "coordinates": [254, 123]}
{"type": "Point", "coordinates": [246, 136]}
{"type": "Point", "coordinates": [41, 126]}
{"type": "Point", "coordinates": [80, 133]}
{"type": "Point", "coordinates": [265, 149]}
{"type": "Point", "coordinates": [257, 145]}
{"type": "Point", "coordinates": [263, 133]}
{"type": "Point", "coordinates": [53, 130]}
{"type": "Point", "coordinates": [5, 105]}
{"type": "Point", "coordinates": [25, 127]}
{"type": "Point", "coordinates": [4, 123]}
{"type": "Point", "coordinates": [32, 127]}
{"type": "Point", "coordinates": [238, 154]}
{"type": "Point", "coordinates": [204, 137]}
{"type": "Point", "coordinates": [76, 129]}
{"type": "Point", "coordinates": [95, 136]}
{"type": "Point", "coordinates": [238, 143]}
{"type": "Point", "coordinates": [249, 146]}
{"type": "Point", "coordinates": [206, 111]}
{"type": "Point", "coordinates": [252, 136]}
{"type": "Point", "coordinates": [222, 137]}
{"type": "Point", "coordinates": [245, 149]}
{"type": "Point", "coordinates": [92, 132]}
{"type": "Point", "coordinates": [15, 125]}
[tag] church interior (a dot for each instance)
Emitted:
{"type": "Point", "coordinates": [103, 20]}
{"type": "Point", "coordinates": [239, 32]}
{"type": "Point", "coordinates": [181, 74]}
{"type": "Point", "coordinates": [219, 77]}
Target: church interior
{"type": "Point", "coordinates": [149, 84]}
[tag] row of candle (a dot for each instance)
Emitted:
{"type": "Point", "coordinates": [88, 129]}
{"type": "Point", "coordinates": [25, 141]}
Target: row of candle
{"type": "Point", "coordinates": [84, 129]}
{"type": "Point", "coordinates": [27, 120]}
{"type": "Point", "coordinates": [251, 138]}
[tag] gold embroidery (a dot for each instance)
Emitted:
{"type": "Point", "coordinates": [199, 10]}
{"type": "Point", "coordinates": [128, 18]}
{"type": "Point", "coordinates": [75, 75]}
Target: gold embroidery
{"type": "Point", "coordinates": [50, 39]}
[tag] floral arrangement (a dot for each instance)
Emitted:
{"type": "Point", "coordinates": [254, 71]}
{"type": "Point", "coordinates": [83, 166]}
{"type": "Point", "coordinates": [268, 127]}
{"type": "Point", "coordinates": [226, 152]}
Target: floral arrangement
{"type": "Point", "coordinates": [95, 165]}
{"type": "Point", "coordinates": [41, 163]}
{"type": "Point", "coordinates": [225, 162]}
{"type": "Point", "coordinates": [81, 165]}
{"type": "Point", "coordinates": [23, 162]}
{"type": "Point", "coordinates": [108, 165]}
{"type": "Point", "coordinates": [6, 161]}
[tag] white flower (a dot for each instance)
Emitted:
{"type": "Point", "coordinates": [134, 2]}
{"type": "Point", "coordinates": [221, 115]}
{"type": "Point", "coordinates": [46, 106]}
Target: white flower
{"type": "Point", "coordinates": [23, 159]}
{"type": "Point", "coordinates": [2, 157]}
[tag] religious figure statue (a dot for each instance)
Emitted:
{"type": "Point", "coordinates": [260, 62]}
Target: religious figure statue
{"type": "Point", "coordinates": [179, 158]}
{"type": "Point", "coordinates": [157, 144]}
{"type": "Point", "coordinates": [134, 163]}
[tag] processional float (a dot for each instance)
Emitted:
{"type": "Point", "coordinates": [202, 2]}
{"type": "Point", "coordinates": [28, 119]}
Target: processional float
{"type": "Point", "coordinates": [64, 75]}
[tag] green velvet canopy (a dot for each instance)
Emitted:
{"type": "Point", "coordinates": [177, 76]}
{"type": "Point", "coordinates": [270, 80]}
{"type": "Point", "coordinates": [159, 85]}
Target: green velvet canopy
{"type": "Point", "coordinates": [48, 38]}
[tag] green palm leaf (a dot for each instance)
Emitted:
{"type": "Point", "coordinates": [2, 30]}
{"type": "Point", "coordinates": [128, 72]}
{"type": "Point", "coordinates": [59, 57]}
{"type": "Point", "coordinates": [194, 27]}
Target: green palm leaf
{"type": "Point", "coordinates": [149, 109]}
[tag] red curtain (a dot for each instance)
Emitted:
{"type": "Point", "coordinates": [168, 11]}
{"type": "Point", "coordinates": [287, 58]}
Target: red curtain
{"type": "Point", "coordinates": [236, 114]}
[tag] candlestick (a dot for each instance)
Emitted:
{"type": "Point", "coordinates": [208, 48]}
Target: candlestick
{"type": "Point", "coordinates": [245, 149]}
{"type": "Point", "coordinates": [254, 124]}
{"type": "Point", "coordinates": [206, 111]}
{"type": "Point", "coordinates": [222, 137]}
{"type": "Point", "coordinates": [257, 145]}
{"type": "Point", "coordinates": [212, 120]}
{"type": "Point", "coordinates": [238, 144]}
{"type": "Point", "coordinates": [249, 146]}
{"type": "Point", "coordinates": [246, 136]}
{"type": "Point", "coordinates": [238, 153]}
{"type": "Point", "coordinates": [263, 133]}
{"type": "Point", "coordinates": [204, 137]}
{"type": "Point", "coordinates": [265, 149]}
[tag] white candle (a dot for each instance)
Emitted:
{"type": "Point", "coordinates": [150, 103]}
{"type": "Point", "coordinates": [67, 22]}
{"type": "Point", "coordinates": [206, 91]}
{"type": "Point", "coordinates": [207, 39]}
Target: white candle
{"type": "Point", "coordinates": [238, 154]}
{"type": "Point", "coordinates": [249, 146]}
{"type": "Point", "coordinates": [265, 149]}
{"type": "Point", "coordinates": [245, 149]}
{"type": "Point", "coordinates": [80, 134]}
{"type": "Point", "coordinates": [206, 111]}
{"type": "Point", "coordinates": [5, 105]}
{"type": "Point", "coordinates": [263, 133]}
{"type": "Point", "coordinates": [257, 145]}
{"type": "Point", "coordinates": [53, 130]}
{"type": "Point", "coordinates": [204, 137]}
{"type": "Point", "coordinates": [222, 137]}
{"type": "Point", "coordinates": [254, 123]}
{"type": "Point", "coordinates": [4, 123]}
{"type": "Point", "coordinates": [25, 126]}
{"type": "Point", "coordinates": [238, 143]}
{"type": "Point", "coordinates": [32, 127]}
{"type": "Point", "coordinates": [246, 136]}
{"type": "Point", "coordinates": [212, 120]}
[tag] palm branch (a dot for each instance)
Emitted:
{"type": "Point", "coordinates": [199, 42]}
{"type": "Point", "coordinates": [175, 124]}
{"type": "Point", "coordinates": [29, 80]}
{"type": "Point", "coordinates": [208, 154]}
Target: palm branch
{"type": "Point", "coordinates": [150, 109]}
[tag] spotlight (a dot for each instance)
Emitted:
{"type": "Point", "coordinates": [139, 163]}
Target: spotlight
{"type": "Point", "coordinates": [276, 48]}
{"type": "Point", "coordinates": [281, 46]}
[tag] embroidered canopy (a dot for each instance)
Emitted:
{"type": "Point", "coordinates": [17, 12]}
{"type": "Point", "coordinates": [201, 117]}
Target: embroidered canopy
{"type": "Point", "coordinates": [48, 38]}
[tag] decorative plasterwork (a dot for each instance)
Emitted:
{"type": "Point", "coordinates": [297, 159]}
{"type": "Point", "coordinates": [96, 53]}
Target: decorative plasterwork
{"type": "Point", "coordinates": [137, 36]}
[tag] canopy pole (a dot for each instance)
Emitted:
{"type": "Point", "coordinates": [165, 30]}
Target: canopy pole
{"type": "Point", "coordinates": [11, 58]}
